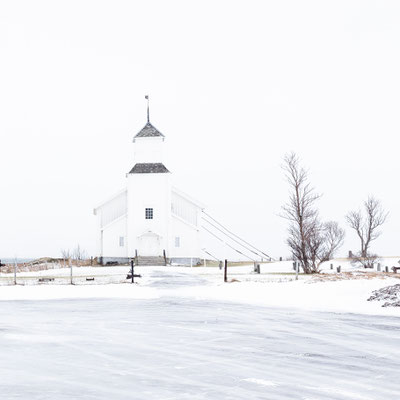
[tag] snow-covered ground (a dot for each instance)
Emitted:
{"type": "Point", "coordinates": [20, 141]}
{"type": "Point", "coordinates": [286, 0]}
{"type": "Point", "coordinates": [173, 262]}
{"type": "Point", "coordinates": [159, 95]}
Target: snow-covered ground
{"type": "Point", "coordinates": [182, 334]}
{"type": "Point", "coordinates": [275, 286]}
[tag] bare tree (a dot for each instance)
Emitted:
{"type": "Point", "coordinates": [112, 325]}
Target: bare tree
{"type": "Point", "coordinates": [367, 262]}
{"type": "Point", "coordinates": [300, 211]}
{"type": "Point", "coordinates": [79, 254]}
{"type": "Point", "coordinates": [316, 245]}
{"type": "Point", "coordinates": [324, 239]}
{"type": "Point", "coordinates": [366, 223]}
{"type": "Point", "coordinates": [65, 254]}
{"type": "Point", "coordinates": [333, 239]}
{"type": "Point", "coordinates": [310, 241]}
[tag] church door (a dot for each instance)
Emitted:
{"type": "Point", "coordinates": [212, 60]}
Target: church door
{"type": "Point", "coordinates": [149, 245]}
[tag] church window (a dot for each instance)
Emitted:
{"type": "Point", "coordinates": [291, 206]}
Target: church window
{"type": "Point", "coordinates": [177, 241]}
{"type": "Point", "coordinates": [121, 241]}
{"type": "Point", "coordinates": [149, 213]}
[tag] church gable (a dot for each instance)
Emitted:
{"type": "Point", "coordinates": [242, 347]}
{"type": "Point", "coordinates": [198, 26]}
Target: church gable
{"type": "Point", "coordinates": [112, 209]}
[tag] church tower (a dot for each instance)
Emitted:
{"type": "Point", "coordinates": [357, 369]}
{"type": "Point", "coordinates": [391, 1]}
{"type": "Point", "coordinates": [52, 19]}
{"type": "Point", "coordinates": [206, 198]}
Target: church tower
{"type": "Point", "coordinates": [149, 200]}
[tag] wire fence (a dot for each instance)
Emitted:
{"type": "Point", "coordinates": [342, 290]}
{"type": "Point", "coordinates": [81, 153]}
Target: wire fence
{"type": "Point", "coordinates": [62, 274]}
{"type": "Point", "coordinates": [83, 273]}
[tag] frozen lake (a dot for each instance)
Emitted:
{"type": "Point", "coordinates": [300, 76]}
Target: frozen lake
{"type": "Point", "coordinates": [180, 348]}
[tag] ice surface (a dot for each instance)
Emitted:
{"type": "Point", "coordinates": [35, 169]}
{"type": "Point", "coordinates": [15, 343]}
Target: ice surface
{"type": "Point", "coordinates": [179, 347]}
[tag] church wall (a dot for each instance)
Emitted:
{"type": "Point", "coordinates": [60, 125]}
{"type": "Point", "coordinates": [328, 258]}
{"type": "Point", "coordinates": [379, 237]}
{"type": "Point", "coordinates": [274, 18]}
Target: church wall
{"type": "Point", "coordinates": [188, 242]}
{"type": "Point", "coordinates": [148, 191]}
{"type": "Point", "coordinates": [111, 239]}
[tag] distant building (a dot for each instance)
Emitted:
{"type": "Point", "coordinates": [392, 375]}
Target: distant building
{"type": "Point", "coordinates": [149, 217]}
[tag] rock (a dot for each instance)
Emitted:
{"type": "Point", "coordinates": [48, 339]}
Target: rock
{"type": "Point", "coordinates": [390, 293]}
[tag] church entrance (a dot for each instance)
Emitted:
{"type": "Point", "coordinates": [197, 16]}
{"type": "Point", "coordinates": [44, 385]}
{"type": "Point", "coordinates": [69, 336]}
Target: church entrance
{"type": "Point", "coordinates": [149, 245]}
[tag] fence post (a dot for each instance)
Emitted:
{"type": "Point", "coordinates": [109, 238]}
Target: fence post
{"type": "Point", "coordinates": [132, 272]}
{"type": "Point", "coordinates": [226, 271]}
{"type": "Point", "coordinates": [331, 266]}
{"type": "Point", "coordinates": [70, 266]}
{"type": "Point", "coordinates": [339, 269]}
{"type": "Point", "coordinates": [15, 271]}
{"type": "Point", "coordinates": [378, 268]}
{"type": "Point", "coordinates": [297, 264]}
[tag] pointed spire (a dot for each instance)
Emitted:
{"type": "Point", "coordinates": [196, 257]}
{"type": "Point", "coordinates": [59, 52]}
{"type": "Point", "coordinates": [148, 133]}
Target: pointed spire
{"type": "Point", "coordinates": [148, 107]}
{"type": "Point", "coordinates": [148, 130]}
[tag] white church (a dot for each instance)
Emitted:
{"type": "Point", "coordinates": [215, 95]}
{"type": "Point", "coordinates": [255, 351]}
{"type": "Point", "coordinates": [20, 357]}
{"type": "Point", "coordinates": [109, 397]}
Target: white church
{"type": "Point", "coordinates": [149, 220]}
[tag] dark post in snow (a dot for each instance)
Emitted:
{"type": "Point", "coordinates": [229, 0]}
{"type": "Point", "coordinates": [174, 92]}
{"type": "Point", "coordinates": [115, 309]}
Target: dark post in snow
{"type": "Point", "coordinates": [256, 267]}
{"type": "Point", "coordinates": [331, 266]}
{"type": "Point", "coordinates": [132, 271]}
{"type": "Point", "coordinates": [15, 271]}
{"type": "Point", "coordinates": [386, 269]}
{"type": "Point", "coordinates": [132, 275]}
{"type": "Point", "coordinates": [70, 266]}
{"type": "Point", "coordinates": [339, 268]}
{"type": "Point", "coordinates": [226, 271]}
{"type": "Point", "coordinates": [297, 264]}
{"type": "Point", "coordinates": [378, 268]}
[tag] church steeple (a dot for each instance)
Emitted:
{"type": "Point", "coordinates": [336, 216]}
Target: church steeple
{"type": "Point", "coordinates": [148, 149]}
{"type": "Point", "coordinates": [148, 108]}
{"type": "Point", "coordinates": [148, 130]}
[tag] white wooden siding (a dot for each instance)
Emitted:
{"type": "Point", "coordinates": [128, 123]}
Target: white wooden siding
{"type": "Point", "coordinates": [114, 209]}
{"type": "Point", "coordinates": [184, 209]}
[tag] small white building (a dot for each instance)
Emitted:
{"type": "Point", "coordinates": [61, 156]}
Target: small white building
{"type": "Point", "coordinates": [149, 218]}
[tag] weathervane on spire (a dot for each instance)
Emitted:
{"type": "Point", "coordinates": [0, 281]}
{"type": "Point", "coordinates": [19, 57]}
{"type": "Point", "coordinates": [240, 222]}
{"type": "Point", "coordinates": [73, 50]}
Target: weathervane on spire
{"type": "Point", "coordinates": [148, 107]}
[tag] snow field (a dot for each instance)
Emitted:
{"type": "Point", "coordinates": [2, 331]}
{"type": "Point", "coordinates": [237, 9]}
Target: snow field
{"type": "Point", "coordinates": [275, 286]}
{"type": "Point", "coordinates": [179, 347]}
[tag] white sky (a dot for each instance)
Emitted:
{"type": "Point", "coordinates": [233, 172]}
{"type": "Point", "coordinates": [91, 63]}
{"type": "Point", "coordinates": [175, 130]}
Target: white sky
{"type": "Point", "coordinates": [234, 86]}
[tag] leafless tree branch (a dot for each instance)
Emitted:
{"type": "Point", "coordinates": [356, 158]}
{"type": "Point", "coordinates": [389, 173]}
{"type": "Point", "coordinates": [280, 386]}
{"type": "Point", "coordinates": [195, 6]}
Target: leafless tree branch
{"type": "Point", "coordinates": [309, 240]}
{"type": "Point", "coordinates": [66, 254]}
{"type": "Point", "coordinates": [366, 223]}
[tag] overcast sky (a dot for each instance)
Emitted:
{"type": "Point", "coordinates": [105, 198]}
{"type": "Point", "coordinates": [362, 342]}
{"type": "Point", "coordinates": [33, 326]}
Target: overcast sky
{"type": "Point", "coordinates": [234, 85]}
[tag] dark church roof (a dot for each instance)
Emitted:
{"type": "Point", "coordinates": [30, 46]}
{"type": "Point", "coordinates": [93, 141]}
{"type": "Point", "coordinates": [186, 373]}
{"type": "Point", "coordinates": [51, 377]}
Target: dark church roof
{"type": "Point", "coordinates": [149, 168]}
{"type": "Point", "coordinates": [149, 131]}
